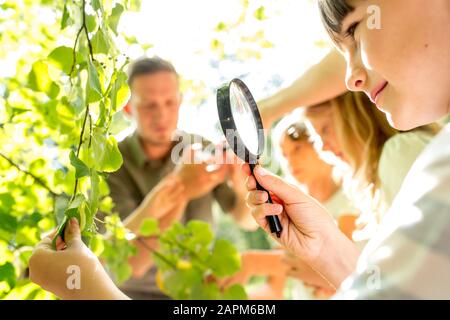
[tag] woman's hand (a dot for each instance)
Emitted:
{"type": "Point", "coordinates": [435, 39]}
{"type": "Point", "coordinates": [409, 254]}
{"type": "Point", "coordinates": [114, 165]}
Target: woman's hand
{"type": "Point", "coordinates": [308, 229]}
{"type": "Point", "coordinates": [71, 271]}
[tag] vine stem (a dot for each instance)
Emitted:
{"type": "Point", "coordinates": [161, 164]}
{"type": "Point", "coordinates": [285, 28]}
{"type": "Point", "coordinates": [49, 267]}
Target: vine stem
{"type": "Point", "coordinates": [87, 114]}
{"type": "Point", "coordinates": [28, 173]}
{"type": "Point", "coordinates": [192, 253]}
{"type": "Point", "coordinates": [156, 253]}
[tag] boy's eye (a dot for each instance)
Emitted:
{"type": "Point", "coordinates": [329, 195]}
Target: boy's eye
{"type": "Point", "coordinates": [351, 30]}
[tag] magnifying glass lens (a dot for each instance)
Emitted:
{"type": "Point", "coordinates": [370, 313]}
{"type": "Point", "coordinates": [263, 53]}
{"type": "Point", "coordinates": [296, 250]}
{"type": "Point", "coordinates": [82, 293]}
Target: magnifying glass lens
{"type": "Point", "coordinates": [244, 119]}
{"type": "Point", "coordinates": [238, 112]}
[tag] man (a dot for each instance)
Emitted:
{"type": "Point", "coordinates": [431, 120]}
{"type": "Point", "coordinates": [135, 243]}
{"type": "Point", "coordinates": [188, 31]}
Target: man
{"type": "Point", "coordinates": [150, 183]}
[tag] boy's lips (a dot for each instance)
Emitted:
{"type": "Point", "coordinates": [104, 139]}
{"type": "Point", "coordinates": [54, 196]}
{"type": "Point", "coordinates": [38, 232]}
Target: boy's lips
{"type": "Point", "coordinates": [375, 94]}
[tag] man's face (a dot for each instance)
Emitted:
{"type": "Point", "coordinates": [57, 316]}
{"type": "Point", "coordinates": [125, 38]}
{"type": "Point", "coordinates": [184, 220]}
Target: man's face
{"type": "Point", "coordinates": [155, 102]}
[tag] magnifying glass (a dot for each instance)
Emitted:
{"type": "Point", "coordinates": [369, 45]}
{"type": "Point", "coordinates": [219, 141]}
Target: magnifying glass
{"type": "Point", "coordinates": [242, 126]}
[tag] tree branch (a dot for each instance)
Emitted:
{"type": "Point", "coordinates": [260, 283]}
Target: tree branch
{"type": "Point", "coordinates": [156, 253]}
{"type": "Point", "coordinates": [28, 173]}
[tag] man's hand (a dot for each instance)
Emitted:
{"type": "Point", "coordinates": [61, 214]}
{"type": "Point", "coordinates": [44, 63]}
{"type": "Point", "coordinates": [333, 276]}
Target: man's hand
{"type": "Point", "coordinates": [201, 177]}
{"type": "Point", "coordinates": [308, 229]}
{"type": "Point", "coordinates": [166, 196]}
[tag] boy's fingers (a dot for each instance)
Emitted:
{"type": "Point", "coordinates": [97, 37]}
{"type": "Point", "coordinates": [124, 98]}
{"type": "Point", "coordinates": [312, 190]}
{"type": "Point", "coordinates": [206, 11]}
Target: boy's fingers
{"type": "Point", "coordinates": [266, 209]}
{"type": "Point", "coordinates": [285, 191]}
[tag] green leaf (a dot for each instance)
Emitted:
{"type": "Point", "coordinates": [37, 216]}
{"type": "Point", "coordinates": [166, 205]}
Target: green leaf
{"type": "Point", "coordinates": [39, 79]}
{"type": "Point", "coordinates": [103, 154]}
{"type": "Point", "coordinates": [65, 18]}
{"type": "Point", "coordinates": [91, 22]}
{"type": "Point", "coordinates": [134, 5]}
{"type": "Point", "coordinates": [225, 259]}
{"type": "Point", "coordinates": [120, 91]}
{"type": "Point", "coordinates": [123, 272]}
{"type": "Point", "coordinates": [97, 246]}
{"type": "Point", "coordinates": [96, 4]}
{"type": "Point", "coordinates": [99, 42]}
{"type": "Point", "coordinates": [205, 291]}
{"type": "Point", "coordinates": [149, 227]}
{"type": "Point", "coordinates": [201, 232]}
{"type": "Point", "coordinates": [8, 274]}
{"type": "Point", "coordinates": [6, 201]}
{"type": "Point", "coordinates": [93, 88]}
{"type": "Point", "coordinates": [235, 292]}
{"type": "Point", "coordinates": [260, 13]}
{"type": "Point", "coordinates": [61, 203]}
{"type": "Point", "coordinates": [221, 26]}
{"type": "Point", "coordinates": [180, 283]}
{"type": "Point", "coordinates": [53, 90]}
{"type": "Point", "coordinates": [115, 17]}
{"type": "Point", "coordinates": [8, 223]}
{"type": "Point", "coordinates": [94, 194]}
{"type": "Point", "coordinates": [81, 168]}
{"type": "Point", "coordinates": [72, 209]}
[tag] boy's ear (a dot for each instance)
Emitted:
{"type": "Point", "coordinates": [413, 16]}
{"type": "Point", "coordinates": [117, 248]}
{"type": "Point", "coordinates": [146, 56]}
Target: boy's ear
{"type": "Point", "coordinates": [127, 108]}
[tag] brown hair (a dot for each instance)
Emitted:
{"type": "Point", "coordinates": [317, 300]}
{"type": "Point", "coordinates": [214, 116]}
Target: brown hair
{"type": "Point", "coordinates": [332, 13]}
{"type": "Point", "coordinates": [146, 66]}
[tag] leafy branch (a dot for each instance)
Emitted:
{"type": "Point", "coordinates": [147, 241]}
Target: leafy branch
{"type": "Point", "coordinates": [28, 173]}
{"type": "Point", "coordinates": [156, 253]}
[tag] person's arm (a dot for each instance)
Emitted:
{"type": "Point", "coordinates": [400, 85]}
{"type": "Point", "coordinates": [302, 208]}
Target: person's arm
{"type": "Point", "coordinates": [143, 261]}
{"type": "Point", "coordinates": [321, 82]}
{"type": "Point", "coordinates": [166, 202]}
{"type": "Point", "coordinates": [166, 198]}
{"type": "Point", "coordinates": [263, 263]}
{"type": "Point", "coordinates": [72, 271]}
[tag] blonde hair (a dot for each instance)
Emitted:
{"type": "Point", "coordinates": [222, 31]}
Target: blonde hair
{"type": "Point", "coordinates": [362, 130]}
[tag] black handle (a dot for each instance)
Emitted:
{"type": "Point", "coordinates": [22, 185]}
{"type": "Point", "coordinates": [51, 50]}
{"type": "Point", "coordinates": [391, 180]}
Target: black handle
{"type": "Point", "coordinates": [274, 221]}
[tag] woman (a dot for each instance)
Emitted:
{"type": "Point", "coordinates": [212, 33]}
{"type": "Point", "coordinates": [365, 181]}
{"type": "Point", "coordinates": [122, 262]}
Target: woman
{"type": "Point", "coordinates": [321, 181]}
{"type": "Point", "coordinates": [407, 78]}
{"type": "Point", "coordinates": [374, 156]}
{"type": "Point", "coordinates": [308, 169]}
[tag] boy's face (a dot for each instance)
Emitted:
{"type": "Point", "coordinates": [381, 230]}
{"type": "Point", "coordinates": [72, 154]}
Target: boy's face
{"type": "Point", "coordinates": [399, 56]}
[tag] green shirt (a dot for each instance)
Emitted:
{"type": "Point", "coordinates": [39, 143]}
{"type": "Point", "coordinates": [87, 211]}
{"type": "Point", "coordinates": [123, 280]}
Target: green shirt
{"type": "Point", "coordinates": [137, 177]}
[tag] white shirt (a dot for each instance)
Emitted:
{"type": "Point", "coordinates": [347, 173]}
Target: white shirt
{"type": "Point", "coordinates": [409, 257]}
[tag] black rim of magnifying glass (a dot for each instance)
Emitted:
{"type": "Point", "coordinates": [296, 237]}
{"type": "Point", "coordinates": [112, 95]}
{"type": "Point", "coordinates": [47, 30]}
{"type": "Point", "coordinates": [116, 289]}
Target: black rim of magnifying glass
{"type": "Point", "coordinates": [227, 121]}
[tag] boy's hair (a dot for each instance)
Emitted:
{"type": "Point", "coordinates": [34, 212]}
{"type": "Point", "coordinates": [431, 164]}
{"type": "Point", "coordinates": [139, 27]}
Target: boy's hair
{"type": "Point", "coordinates": [332, 13]}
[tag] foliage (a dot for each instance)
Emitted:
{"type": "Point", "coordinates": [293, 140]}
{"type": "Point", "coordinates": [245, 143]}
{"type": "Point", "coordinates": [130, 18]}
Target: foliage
{"type": "Point", "coordinates": [56, 118]}
{"type": "Point", "coordinates": [192, 265]}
